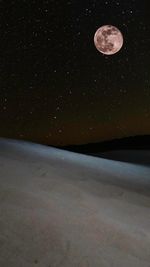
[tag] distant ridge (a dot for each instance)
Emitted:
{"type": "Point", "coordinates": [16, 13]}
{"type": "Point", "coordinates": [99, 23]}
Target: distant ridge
{"type": "Point", "coordinates": [134, 142]}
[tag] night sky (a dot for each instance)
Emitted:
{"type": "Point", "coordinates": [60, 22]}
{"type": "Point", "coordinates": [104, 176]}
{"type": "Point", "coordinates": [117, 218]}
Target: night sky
{"type": "Point", "coordinates": [56, 88]}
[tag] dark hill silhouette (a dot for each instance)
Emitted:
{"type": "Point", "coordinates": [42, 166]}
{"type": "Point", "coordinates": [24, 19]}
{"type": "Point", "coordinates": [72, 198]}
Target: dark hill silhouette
{"type": "Point", "coordinates": [134, 142]}
{"type": "Point", "coordinates": [134, 149]}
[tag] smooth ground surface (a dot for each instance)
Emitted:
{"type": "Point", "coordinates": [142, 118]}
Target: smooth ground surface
{"type": "Point", "coordinates": [59, 208]}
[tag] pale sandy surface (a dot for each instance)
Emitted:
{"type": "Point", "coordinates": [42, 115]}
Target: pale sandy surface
{"type": "Point", "coordinates": [59, 208]}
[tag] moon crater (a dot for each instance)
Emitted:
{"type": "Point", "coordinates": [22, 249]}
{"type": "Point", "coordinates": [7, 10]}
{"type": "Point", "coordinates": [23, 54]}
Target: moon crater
{"type": "Point", "coordinates": [108, 39]}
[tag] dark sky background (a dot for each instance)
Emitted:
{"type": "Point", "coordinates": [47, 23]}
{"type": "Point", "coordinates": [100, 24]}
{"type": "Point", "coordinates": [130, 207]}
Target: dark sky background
{"type": "Point", "coordinates": [56, 88]}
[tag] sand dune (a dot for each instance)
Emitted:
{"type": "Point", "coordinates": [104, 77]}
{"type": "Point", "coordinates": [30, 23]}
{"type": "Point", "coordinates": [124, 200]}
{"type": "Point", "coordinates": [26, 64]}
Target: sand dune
{"type": "Point", "coordinates": [59, 208]}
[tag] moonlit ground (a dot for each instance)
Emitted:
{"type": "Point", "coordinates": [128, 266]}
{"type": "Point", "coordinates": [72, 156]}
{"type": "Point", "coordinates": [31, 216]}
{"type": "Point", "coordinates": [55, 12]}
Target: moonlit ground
{"type": "Point", "coordinates": [60, 208]}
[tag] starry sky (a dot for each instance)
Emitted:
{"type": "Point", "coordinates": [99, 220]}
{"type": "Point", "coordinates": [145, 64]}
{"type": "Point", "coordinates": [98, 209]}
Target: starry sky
{"type": "Point", "coordinates": [56, 88]}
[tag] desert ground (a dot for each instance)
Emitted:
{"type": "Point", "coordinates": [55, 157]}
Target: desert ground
{"type": "Point", "coordinates": [64, 209]}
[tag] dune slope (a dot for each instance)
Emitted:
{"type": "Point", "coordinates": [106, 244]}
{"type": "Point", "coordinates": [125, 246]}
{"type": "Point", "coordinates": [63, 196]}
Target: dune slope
{"type": "Point", "coordinates": [60, 208]}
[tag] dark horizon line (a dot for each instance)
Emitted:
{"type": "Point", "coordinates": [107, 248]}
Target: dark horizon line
{"type": "Point", "coordinates": [130, 142]}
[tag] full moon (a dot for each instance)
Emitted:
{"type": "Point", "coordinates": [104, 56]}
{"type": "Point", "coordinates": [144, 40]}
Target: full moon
{"type": "Point", "coordinates": [108, 39]}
